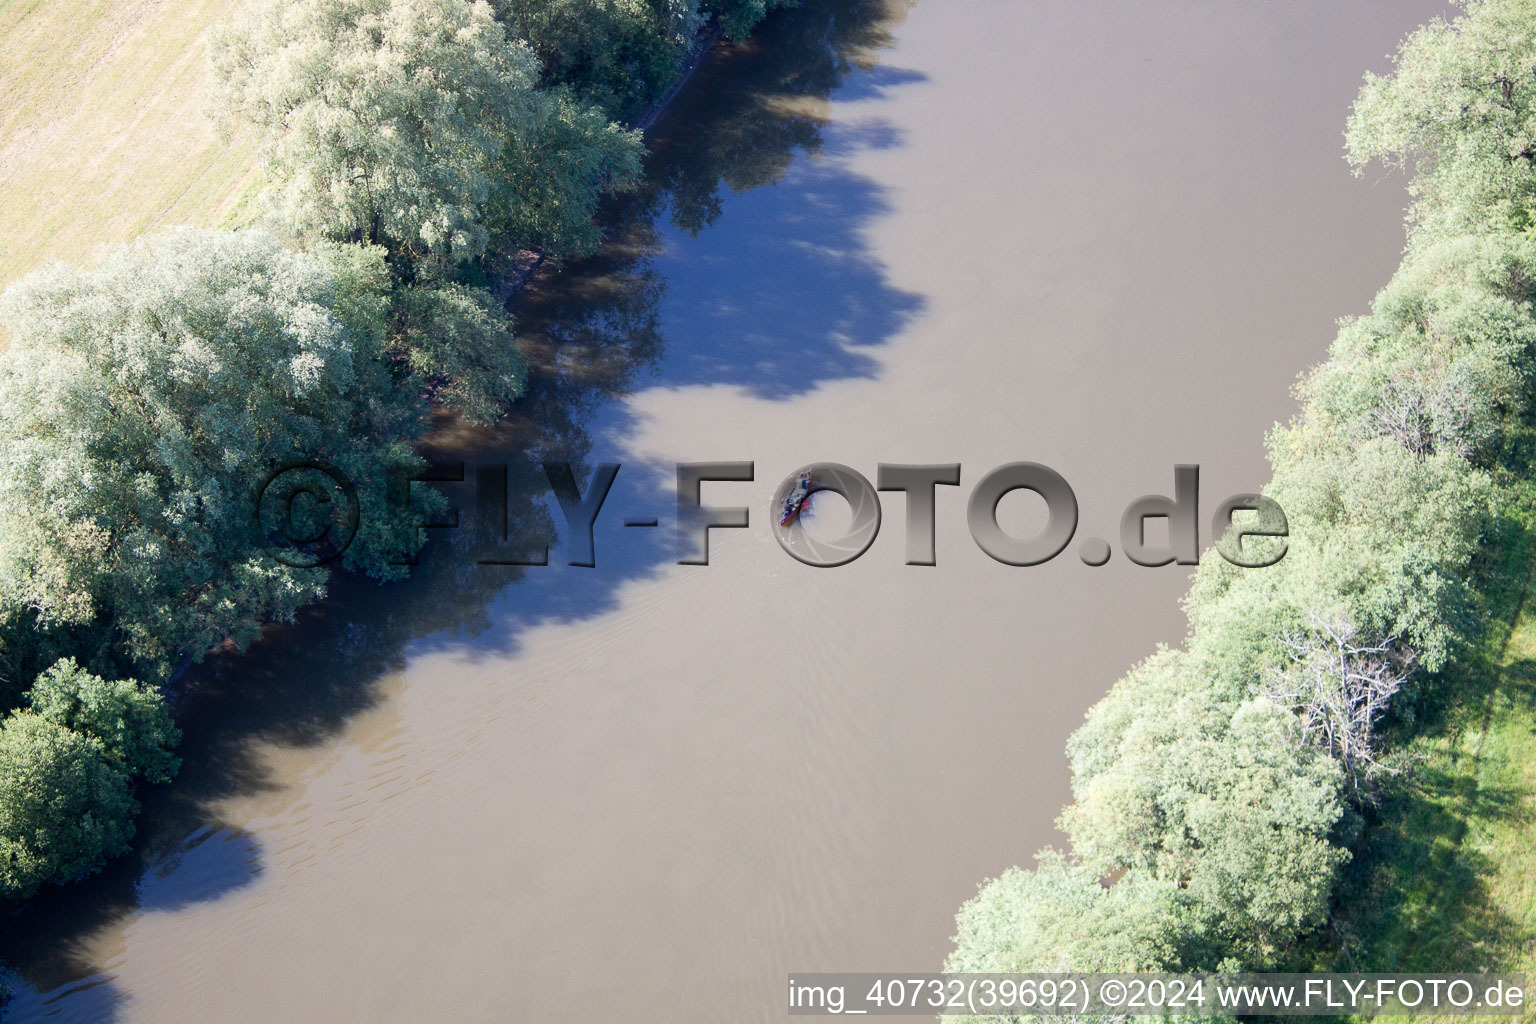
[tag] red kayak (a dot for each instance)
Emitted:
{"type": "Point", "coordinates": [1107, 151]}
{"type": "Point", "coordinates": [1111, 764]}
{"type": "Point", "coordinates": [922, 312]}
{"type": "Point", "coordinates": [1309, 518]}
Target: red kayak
{"type": "Point", "coordinates": [797, 500]}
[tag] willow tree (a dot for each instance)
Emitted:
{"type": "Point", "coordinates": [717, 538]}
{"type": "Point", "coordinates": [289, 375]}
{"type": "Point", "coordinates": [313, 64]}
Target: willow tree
{"type": "Point", "coordinates": [616, 54]}
{"type": "Point", "coordinates": [417, 125]}
{"type": "Point", "coordinates": [1460, 107]}
{"type": "Point", "coordinates": [1220, 786]}
{"type": "Point", "coordinates": [143, 405]}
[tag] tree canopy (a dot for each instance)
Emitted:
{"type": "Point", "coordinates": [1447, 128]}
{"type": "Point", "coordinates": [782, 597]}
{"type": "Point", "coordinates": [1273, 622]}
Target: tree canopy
{"type": "Point", "coordinates": [415, 150]}
{"type": "Point", "coordinates": [417, 125]}
{"type": "Point", "coordinates": [618, 55]}
{"type": "Point", "coordinates": [64, 807]}
{"type": "Point", "coordinates": [143, 403]}
{"type": "Point", "coordinates": [126, 717]}
{"type": "Point", "coordinates": [739, 17]}
{"type": "Point", "coordinates": [1460, 107]}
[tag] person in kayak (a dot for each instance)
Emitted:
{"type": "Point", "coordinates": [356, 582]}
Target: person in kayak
{"type": "Point", "coordinates": [797, 500]}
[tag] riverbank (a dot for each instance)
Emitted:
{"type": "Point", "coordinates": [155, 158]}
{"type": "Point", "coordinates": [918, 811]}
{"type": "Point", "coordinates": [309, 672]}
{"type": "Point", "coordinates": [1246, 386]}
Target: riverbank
{"type": "Point", "coordinates": [439, 343]}
{"type": "Point", "coordinates": [1330, 771]}
{"type": "Point", "coordinates": [1447, 877]}
{"type": "Point", "coordinates": [515, 277]}
{"type": "Point", "coordinates": [104, 134]}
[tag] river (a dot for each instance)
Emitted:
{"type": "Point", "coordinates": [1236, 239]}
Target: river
{"type": "Point", "coordinates": [1100, 236]}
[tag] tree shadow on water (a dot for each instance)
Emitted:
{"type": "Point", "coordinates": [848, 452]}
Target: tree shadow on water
{"type": "Point", "coordinates": [782, 294]}
{"type": "Point", "coordinates": [778, 296]}
{"type": "Point", "coordinates": [800, 307]}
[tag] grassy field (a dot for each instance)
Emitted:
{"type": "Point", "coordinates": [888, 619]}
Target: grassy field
{"type": "Point", "coordinates": [1446, 879]}
{"type": "Point", "coordinates": [102, 130]}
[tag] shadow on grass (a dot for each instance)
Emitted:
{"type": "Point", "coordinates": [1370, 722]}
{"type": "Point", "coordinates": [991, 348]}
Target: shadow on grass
{"type": "Point", "coordinates": [1417, 897]}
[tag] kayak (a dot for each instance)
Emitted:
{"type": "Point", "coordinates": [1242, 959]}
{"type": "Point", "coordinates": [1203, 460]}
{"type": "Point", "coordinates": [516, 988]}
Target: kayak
{"type": "Point", "coordinates": [796, 502]}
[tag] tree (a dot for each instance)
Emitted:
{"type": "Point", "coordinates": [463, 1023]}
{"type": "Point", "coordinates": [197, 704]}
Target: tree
{"type": "Point", "coordinates": [1444, 361]}
{"type": "Point", "coordinates": [1253, 843]}
{"type": "Point", "coordinates": [617, 55]}
{"type": "Point", "coordinates": [407, 124]}
{"type": "Point", "coordinates": [64, 807]}
{"type": "Point", "coordinates": [1211, 780]}
{"type": "Point", "coordinates": [739, 17]}
{"type": "Point", "coordinates": [142, 408]}
{"type": "Point", "coordinates": [552, 176]}
{"type": "Point", "coordinates": [1460, 105]}
{"type": "Point", "coordinates": [1221, 802]}
{"type": "Point", "coordinates": [1061, 917]}
{"type": "Point", "coordinates": [1340, 687]}
{"type": "Point", "coordinates": [127, 718]}
{"type": "Point", "coordinates": [460, 343]}
{"type": "Point", "coordinates": [1378, 536]}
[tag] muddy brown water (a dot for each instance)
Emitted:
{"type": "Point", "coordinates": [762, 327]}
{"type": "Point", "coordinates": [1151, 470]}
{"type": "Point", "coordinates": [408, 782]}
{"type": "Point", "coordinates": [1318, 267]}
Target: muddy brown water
{"type": "Point", "coordinates": [1101, 236]}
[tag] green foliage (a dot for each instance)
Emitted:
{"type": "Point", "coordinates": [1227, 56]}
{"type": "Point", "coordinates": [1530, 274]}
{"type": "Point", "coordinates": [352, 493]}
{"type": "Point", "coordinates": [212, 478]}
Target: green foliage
{"type": "Point", "coordinates": [553, 175]}
{"type": "Point", "coordinates": [67, 767]}
{"type": "Point", "coordinates": [739, 17]}
{"type": "Point", "coordinates": [457, 341]}
{"type": "Point", "coordinates": [1251, 844]}
{"type": "Point", "coordinates": [1379, 539]}
{"type": "Point", "coordinates": [1445, 878]}
{"type": "Point", "coordinates": [1188, 772]}
{"type": "Point", "coordinates": [445, 341]}
{"type": "Point", "coordinates": [127, 718]}
{"type": "Point", "coordinates": [411, 124]}
{"type": "Point", "coordinates": [142, 406]}
{"type": "Point", "coordinates": [1445, 360]}
{"type": "Point", "coordinates": [618, 55]}
{"type": "Point", "coordinates": [1460, 107]}
{"type": "Point", "coordinates": [1224, 803]}
{"type": "Point", "coordinates": [1060, 917]}
{"type": "Point", "coordinates": [416, 130]}
{"type": "Point", "coordinates": [64, 806]}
